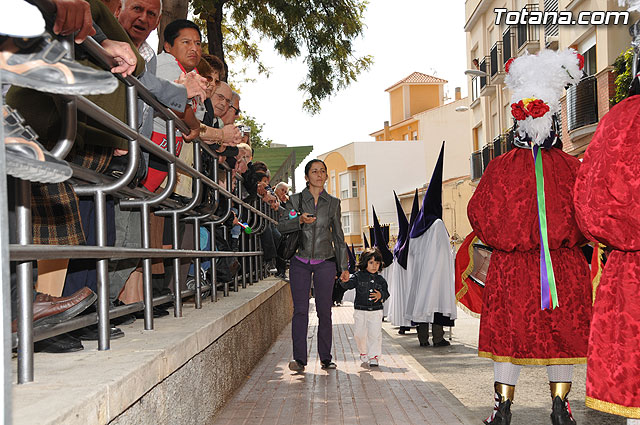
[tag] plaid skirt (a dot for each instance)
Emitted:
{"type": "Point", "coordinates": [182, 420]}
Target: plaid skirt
{"type": "Point", "coordinates": [54, 207]}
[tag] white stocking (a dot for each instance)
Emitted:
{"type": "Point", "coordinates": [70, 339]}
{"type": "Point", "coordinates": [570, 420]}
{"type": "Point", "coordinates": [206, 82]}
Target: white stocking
{"type": "Point", "coordinates": [506, 373]}
{"type": "Point", "coordinates": [560, 373]}
{"type": "Point", "coordinates": [633, 421]}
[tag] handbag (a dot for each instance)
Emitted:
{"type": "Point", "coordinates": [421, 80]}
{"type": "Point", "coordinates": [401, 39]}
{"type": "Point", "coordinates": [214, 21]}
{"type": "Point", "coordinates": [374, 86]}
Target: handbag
{"type": "Point", "coordinates": [289, 241]}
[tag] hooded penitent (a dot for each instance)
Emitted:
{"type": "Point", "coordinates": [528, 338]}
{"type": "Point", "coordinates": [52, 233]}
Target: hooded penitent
{"type": "Point", "coordinates": [379, 241]}
{"type": "Point", "coordinates": [401, 252]}
{"type": "Point", "coordinates": [432, 203]}
{"type": "Point", "coordinates": [430, 270]}
{"type": "Point", "coordinates": [398, 283]}
{"type": "Point", "coordinates": [351, 256]}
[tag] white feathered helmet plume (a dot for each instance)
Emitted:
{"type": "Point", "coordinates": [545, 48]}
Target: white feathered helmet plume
{"type": "Point", "coordinates": [537, 83]}
{"type": "Point", "coordinates": [634, 5]}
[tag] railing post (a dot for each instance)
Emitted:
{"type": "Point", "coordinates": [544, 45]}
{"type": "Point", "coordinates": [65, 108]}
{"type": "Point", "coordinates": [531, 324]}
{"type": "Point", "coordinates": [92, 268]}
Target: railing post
{"type": "Point", "coordinates": [5, 286]}
{"type": "Point", "coordinates": [102, 270]}
{"type": "Point", "coordinates": [24, 275]}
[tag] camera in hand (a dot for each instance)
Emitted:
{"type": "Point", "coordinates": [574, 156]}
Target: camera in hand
{"type": "Point", "coordinates": [245, 130]}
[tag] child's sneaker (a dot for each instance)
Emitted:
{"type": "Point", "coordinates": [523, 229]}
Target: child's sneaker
{"type": "Point", "coordinates": [364, 358]}
{"type": "Point", "coordinates": [373, 362]}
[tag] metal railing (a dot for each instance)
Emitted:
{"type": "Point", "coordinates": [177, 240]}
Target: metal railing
{"type": "Point", "coordinates": [476, 165]}
{"type": "Point", "coordinates": [90, 183]}
{"type": "Point", "coordinates": [487, 156]}
{"type": "Point", "coordinates": [495, 59]}
{"type": "Point", "coordinates": [475, 88]}
{"type": "Point", "coordinates": [483, 67]}
{"type": "Point", "coordinates": [528, 35]}
{"type": "Point", "coordinates": [508, 37]}
{"type": "Point", "coordinates": [582, 103]}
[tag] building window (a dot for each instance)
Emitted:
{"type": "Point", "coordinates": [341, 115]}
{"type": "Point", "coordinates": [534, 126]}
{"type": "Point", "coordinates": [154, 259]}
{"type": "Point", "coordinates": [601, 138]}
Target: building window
{"type": "Point", "coordinates": [414, 135]}
{"type": "Point", "coordinates": [405, 136]}
{"type": "Point", "coordinates": [354, 187]}
{"type": "Point", "coordinates": [344, 186]}
{"type": "Point", "coordinates": [346, 223]}
{"type": "Point", "coordinates": [590, 61]}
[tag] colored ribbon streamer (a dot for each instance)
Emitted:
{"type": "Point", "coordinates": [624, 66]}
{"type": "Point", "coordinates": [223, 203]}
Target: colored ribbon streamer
{"type": "Point", "coordinates": [548, 292]}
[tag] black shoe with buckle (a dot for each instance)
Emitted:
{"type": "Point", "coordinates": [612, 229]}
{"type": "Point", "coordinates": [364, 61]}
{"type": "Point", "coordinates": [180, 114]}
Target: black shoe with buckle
{"type": "Point", "coordinates": [45, 68]}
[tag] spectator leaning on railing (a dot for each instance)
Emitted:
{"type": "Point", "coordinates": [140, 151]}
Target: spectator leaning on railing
{"type": "Point", "coordinates": [55, 207]}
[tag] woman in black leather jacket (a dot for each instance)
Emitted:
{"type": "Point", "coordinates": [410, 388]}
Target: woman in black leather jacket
{"type": "Point", "coordinates": [317, 214]}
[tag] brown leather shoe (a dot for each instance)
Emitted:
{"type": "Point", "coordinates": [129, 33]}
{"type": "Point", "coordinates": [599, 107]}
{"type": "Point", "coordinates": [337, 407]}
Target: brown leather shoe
{"type": "Point", "coordinates": [48, 310]}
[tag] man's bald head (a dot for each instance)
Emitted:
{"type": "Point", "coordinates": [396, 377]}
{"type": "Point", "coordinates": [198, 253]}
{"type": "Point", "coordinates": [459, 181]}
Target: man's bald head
{"type": "Point", "coordinates": [234, 110]}
{"type": "Point", "coordinates": [222, 99]}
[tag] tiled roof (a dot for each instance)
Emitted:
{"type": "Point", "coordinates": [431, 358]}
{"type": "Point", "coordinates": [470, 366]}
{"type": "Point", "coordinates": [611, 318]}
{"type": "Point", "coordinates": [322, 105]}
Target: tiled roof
{"type": "Point", "coordinates": [419, 78]}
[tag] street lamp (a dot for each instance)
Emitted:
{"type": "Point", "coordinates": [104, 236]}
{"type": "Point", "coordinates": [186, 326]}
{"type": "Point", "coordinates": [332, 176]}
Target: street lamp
{"type": "Point", "coordinates": [462, 109]}
{"type": "Point", "coordinates": [475, 73]}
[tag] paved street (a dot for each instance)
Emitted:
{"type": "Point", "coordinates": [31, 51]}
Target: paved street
{"type": "Point", "coordinates": [470, 378]}
{"type": "Point", "coordinates": [400, 391]}
{"type": "Point", "coordinates": [413, 385]}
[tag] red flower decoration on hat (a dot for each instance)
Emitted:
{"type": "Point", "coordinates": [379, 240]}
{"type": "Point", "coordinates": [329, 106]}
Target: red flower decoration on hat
{"type": "Point", "coordinates": [537, 108]}
{"type": "Point", "coordinates": [518, 111]}
{"type": "Point", "coordinates": [508, 65]}
{"type": "Point", "coordinates": [580, 61]}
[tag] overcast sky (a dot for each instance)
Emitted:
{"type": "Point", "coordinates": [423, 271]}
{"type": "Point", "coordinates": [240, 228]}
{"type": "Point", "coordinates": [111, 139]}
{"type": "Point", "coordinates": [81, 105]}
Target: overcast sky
{"type": "Point", "coordinates": [403, 36]}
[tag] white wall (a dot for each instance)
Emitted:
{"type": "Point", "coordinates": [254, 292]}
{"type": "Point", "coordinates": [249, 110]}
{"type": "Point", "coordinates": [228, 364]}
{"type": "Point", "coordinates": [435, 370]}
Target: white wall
{"type": "Point", "coordinates": [444, 123]}
{"type": "Point", "coordinates": [395, 165]}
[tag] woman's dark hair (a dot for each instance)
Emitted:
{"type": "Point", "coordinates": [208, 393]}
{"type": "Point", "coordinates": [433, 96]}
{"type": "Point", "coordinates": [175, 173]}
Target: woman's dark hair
{"type": "Point", "coordinates": [367, 255]}
{"type": "Point", "coordinates": [307, 167]}
{"type": "Point", "coordinates": [260, 166]}
{"type": "Point", "coordinates": [260, 175]}
{"type": "Point", "coordinates": [216, 64]}
{"type": "Point", "coordinates": [172, 30]}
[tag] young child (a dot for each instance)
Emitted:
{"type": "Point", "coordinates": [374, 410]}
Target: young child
{"type": "Point", "coordinates": [371, 292]}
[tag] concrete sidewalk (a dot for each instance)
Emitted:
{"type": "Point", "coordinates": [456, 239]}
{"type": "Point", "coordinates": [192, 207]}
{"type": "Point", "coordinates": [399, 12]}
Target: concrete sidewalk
{"type": "Point", "coordinates": [400, 391]}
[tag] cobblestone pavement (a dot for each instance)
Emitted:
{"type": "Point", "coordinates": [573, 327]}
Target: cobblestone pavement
{"type": "Point", "coordinates": [470, 378]}
{"type": "Point", "coordinates": [400, 391]}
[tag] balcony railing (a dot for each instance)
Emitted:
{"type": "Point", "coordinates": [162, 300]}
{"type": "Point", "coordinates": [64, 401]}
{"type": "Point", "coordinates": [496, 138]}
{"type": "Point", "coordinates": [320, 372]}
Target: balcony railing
{"type": "Point", "coordinates": [528, 36]}
{"type": "Point", "coordinates": [550, 29]}
{"type": "Point", "coordinates": [495, 59]}
{"type": "Point", "coordinates": [486, 87]}
{"type": "Point", "coordinates": [483, 67]}
{"type": "Point", "coordinates": [582, 103]}
{"type": "Point", "coordinates": [487, 156]}
{"type": "Point", "coordinates": [499, 146]}
{"type": "Point", "coordinates": [508, 40]}
{"type": "Point", "coordinates": [475, 88]}
{"type": "Point", "coordinates": [476, 165]}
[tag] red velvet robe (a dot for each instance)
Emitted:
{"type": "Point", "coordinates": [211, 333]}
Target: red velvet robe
{"type": "Point", "coordinates": [504, 214]}
{"type": "Point", "coordinates": [607, 199]}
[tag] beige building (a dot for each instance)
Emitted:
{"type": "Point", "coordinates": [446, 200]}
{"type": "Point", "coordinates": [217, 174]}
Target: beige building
{"type": "Point", "coordinates": [449, 123]}
{"type": "Point", "coordinates": [363, 174]}
{"type": "Point", "coordinates": [402, 159]}
{"type": "Point", "coordinates": [492, 45]}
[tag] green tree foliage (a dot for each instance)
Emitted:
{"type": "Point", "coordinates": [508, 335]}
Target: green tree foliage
{"type": "Point", "coordinates": [622, 68]}
{"type": "Point", "coordinates": [320, 31]}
